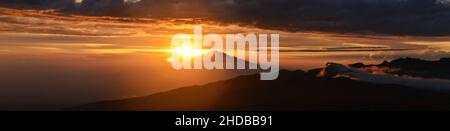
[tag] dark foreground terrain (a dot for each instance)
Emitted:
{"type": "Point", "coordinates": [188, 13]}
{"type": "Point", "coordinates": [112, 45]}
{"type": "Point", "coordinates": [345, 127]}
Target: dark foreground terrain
{"type": "Point", "coordinates": [292, 91]}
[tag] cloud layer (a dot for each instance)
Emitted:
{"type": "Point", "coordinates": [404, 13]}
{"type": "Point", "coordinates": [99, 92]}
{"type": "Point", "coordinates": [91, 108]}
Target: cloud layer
{"type": "Point", "coordinates": [385, 17]}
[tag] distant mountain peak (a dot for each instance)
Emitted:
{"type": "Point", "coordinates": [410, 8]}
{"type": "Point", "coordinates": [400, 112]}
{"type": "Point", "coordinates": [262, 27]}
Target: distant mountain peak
{"type": "Point", "coordinates": [333, 69]}
{"type": "Point", "coordinates": [226, 56]}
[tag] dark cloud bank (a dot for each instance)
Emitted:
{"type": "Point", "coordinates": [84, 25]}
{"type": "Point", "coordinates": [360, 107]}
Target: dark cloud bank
{"type": "Point", "coordinates": [384, 17]}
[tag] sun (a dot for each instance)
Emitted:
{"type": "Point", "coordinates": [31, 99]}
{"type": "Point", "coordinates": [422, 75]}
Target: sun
{"type": "Point", "coordinates": [170, 59]}
{"type": "Point", "coordinates": [186, 51]}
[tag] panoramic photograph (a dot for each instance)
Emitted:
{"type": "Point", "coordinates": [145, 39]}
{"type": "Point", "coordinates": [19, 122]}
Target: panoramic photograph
{"type": "Point", "coordinates": [225, 55]}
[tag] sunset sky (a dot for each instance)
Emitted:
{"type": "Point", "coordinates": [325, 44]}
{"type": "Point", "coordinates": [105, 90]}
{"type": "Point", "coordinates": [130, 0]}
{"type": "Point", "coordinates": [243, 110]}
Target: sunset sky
{"type": "Point", "coordinates": [119, 48]}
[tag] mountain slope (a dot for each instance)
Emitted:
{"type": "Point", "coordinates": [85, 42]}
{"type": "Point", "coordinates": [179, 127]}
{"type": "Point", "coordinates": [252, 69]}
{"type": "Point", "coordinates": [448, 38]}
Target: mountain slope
{"type": "Point", "coordinates": [333, 70]}
{"type": "Point", "coordinates": [293, 90]}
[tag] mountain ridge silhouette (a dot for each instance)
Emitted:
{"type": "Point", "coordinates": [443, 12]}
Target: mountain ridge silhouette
{"type": "Point", "coordinates": [292, 91]}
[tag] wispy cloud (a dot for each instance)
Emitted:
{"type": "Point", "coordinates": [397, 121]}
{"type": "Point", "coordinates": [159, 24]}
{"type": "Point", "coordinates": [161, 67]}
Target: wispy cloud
{"type": "Point", "coordinates": [362, 49]}
{"type": "Point", "coordinates": [51, 22]}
